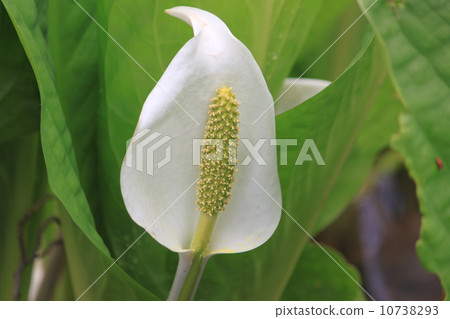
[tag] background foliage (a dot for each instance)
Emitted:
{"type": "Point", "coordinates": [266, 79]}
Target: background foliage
{"type": "Point", "coordinates": [74, 76]}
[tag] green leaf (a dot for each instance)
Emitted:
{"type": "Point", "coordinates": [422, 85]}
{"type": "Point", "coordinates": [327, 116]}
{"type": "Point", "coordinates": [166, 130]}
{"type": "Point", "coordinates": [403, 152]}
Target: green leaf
{"type": "Point", "coordinates": [416, 38]}
{"type": "Point", "coordinates": [93, 275]}
{"type": "Point", "coordinates": [278, 32]}
{"type": "Point", "coordinates": [333, 119]}
{"type": "Point", "coordinates": [72, 41]}
{"type": "Point", "coordinates": [63, 174]}
{"type": "Point", "coordinates": [332, 19]}
{"type": "Point", "coordinates": [378, 127]}
{"type": "Point", "coordinates": [19, 95]}
{"type": "Point", "coordinates": [56, 141]}
{"type": "Point", "coordinates": [316, 277]}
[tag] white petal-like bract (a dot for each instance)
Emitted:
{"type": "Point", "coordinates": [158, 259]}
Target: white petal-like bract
{"type": "Point", "coordinates": [160, 171]}
{"type": "Point", "coordinates": [296, 91]}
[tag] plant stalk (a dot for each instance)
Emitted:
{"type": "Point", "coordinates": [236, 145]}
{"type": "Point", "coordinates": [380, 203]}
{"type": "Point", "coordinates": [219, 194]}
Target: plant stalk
{"type": "Point", "coordinates": [192, 262]}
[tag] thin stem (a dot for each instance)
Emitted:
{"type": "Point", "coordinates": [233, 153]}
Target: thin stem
{"type": "Point", "coordinates": [199, 248]}
{"type": "Point", "coordinates": [192, 279]}
{"type": "Point", "coordinates": [203, 232]}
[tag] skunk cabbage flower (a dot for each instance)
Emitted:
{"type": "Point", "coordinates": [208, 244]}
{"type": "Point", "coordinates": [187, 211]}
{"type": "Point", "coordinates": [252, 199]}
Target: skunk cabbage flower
{"type": "Point", "coordinates": [222, 196]}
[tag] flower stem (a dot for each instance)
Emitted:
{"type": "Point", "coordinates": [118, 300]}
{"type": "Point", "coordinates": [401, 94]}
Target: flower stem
{"type": "Point", "coordinates": [199, 246]}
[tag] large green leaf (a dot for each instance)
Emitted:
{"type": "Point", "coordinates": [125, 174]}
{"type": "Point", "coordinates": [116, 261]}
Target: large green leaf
{"type": "Point", "coordinates": [333, 18]}
{"type": "Point", "coordinates": [278, 33]}
{"type": "Point", "coordinates": [57, 144]}
{"type": "Point", "coordinates": [19, 95]}
{"type": "Point", "coordinates": [152, 38]}
{"type": "Point", "coordinates": [92, 274]}
{"type": "Point", "coordinates": [416, 38]}
{"type": "Point", "coordinates": [72, 40]}
{"type": "Point", "coordinates": [56, 139]}
{"type": "Point", "coordinates": [316, 278]}
{"type": "Point", "coordinates": [378, 127]}
{"type": "Point", "coordinates": [313, 195]}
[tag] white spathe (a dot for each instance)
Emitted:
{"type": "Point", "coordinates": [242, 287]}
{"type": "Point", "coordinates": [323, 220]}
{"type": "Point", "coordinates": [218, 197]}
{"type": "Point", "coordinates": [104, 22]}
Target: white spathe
{"type": "Point", "coordinates": [296, 91]}
{"type": "Point", "coordinates": [165, 203]}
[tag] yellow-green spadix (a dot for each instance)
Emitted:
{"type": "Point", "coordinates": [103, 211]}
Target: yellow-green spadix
{"type": "Point", "coordinates": [168, 202]}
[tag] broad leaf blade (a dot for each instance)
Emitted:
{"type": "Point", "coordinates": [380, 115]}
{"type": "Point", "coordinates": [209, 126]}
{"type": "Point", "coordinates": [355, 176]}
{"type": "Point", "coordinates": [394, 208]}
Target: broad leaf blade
{"type": "Point", "coordinates": [19, 95]}
{"type": "Point", "coordinates": [56, 140]}
{"type": "Point", "coordinates": [93, 275]}
{"type": "Point", "coordinates": [278, 32]}
{"type": "Point", "coordinates": [335, 36]}
{"type": "Point", "coordinates": [313, 195]}
{"type": "Point", "coordinates": [57, 145]}
{"type": "Point", "coordinates": [72, 40]}
{"type": "Point", "coordinates": [316, 278]}
{"type": "Point", "coordinates": [416, 37]}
